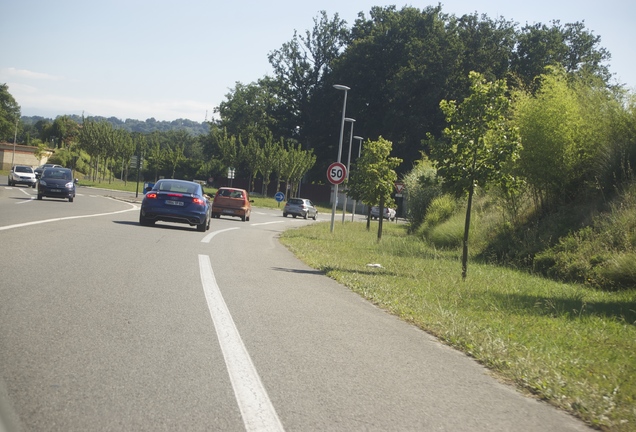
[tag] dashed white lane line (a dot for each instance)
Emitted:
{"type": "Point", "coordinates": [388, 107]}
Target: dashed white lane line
{"type": "Point", "coordinates": [267, 223]}
{"type": "Point", "coordinates": [208, 237]}
{"type": "Point", "coordinates": [256, 408]}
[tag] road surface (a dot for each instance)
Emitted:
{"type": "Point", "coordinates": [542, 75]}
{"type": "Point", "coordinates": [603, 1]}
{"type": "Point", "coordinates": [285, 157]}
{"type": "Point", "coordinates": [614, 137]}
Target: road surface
{"type": "Point", "coordinates": [109, 326]}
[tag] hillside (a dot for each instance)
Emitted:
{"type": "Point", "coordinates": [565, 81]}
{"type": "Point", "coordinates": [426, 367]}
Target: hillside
{"type": "Point", "coordinates": [131, 125]}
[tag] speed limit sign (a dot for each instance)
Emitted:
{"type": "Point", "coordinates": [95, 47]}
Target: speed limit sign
{"type": "Point", "coordinates": [336, 173]}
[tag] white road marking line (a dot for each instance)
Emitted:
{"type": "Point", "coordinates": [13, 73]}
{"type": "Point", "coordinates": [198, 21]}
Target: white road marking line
{"type": "Point", "coordinates": [31, 197]}
{"type": "Point", "coordinates": [266, 223]}
{"type": "Point", "coordinates": [256, 408]}
{"type": "Point", "coordinates": [208, 237]}
{"type": "Point", "coordinates": [134, 207]}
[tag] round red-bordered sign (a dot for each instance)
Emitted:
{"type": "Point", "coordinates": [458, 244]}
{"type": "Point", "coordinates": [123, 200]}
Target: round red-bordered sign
{"type": "Point", "coordinates": [336, 173]}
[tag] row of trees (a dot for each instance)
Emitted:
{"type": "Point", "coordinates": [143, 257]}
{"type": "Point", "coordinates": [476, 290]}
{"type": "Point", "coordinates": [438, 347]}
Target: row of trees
{"type": "Point", "coordinates": [179, 154]}
{"type": "Point", "coordinates": [399, 64]}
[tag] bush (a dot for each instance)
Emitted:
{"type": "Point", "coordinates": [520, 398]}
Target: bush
{"type": "Point", "coordinates": [449, 234]}
{"type": "Point", "coordinates": [422, 187]}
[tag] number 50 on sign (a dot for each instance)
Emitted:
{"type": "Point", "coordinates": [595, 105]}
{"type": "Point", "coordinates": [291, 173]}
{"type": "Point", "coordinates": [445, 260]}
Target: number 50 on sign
{"type": "Point", "coordinates": [336, 173]}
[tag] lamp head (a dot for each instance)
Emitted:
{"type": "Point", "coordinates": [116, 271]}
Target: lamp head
{"type": "Point", "coordinates": [341, 87]}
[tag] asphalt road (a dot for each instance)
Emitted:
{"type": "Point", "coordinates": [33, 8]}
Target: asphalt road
{"type": "Point", "coordinates": [109, 326]}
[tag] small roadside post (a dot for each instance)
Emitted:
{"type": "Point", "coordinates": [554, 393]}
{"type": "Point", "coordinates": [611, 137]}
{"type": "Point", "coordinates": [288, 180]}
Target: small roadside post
{"type": "Point", "coordinates": [336, 173]}
{"type": "Point", "coordinates": [279, 197]}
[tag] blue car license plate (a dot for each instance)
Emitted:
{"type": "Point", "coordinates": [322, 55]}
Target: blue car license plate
{"type": "Point", "coordinates": [176, 203]}
{"type": "Point", "coordinates": [56, 190]}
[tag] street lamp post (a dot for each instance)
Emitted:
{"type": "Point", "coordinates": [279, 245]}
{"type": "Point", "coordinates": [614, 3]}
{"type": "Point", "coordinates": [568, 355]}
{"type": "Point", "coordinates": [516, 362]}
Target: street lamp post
{"type": "Point", "coordinates": [15, 137]}
{"type": "Point", "coordinates": [335, 187]}
{"type": "Point", "coordinates": [344, 203]}
{"type": "Point", "coordinates": [359, 138]}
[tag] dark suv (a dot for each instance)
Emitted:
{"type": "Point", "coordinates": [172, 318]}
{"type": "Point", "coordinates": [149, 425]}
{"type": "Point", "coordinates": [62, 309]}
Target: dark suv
{"type": "Point", "coordinates": [57, 183]}
{"type": "Point", "coordinates": [38, 170]}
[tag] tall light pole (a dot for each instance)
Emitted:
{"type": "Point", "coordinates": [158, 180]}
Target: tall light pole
{"type": "Point", "coordinates": [359, 138]}
{"type": "Point", "coordinates": [335, 187]}
{"type": "Point", "coordinates": [15, 137]}
{"type": "Point", "coordinates": [344, 203]}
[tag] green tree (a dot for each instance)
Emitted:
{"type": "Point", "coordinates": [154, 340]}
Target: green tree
{"type": "Point", "coordinates": [9, 114]}
{"type": "Point", "coordinates": [250, 155]}
{"type": "Point", "coordinates": [227, 148]}
{"type": "Point", "coordinates": [248, 108]}
{"type": "Point", "coordinates": [63, 132]}
{"type": "Point", "coordinates": [267, 160]}
{"type": "Point", "coordinates": [373, 177]}
{"type": "Point", "coordinates": [570, 46]}
{"type": "Point", "coordinates": [155, 155]}
{"type": "Point", "coordinates": [300, 66]}
{"type": "Point", "coordinates": [480, 143]}
{"type": "Point", "coordinates": [294, 164]}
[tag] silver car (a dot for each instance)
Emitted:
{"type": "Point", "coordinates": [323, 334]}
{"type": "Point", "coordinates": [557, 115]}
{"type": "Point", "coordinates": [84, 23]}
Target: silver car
{"type": "Point", "coordinates": [389, 213]}
{"type": "Point", "coordinates": [22, 174]}
{"type": "Point", "coordinates": [300, 207]}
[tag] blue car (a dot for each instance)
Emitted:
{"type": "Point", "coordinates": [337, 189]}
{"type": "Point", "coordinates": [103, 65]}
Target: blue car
{"type": "Point", "coordinates": [179, 201]}
{"type": "Point", "coordinates": [57, 183]}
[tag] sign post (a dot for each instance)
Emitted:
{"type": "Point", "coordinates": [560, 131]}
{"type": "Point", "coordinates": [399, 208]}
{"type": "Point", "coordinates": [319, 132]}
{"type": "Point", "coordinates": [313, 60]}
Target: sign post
{"type": "Point", "coordinates": [279, 197]}
{"type": "Point", "coordinates": [336, 173]}
{"type": "Point", "coordinates": [399, 188]}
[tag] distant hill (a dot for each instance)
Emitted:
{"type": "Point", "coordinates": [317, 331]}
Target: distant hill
{"type": "Point", "coordinates": [148, 126]}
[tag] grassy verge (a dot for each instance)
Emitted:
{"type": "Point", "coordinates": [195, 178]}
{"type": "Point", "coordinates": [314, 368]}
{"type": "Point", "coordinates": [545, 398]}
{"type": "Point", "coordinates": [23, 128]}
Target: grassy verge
{"type": "Point", "coordinates": [568, 344]}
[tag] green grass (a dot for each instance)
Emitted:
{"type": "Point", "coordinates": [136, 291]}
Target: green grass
{"type": "Point", "coordinates": [568, 344]}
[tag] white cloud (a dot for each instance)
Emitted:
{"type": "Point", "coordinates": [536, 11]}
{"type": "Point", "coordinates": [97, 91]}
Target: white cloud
{"type": "Point", "coordinates": [27, 74]}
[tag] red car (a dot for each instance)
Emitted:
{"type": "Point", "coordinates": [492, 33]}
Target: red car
{"type": "Point", "coordinates": [232, 202]}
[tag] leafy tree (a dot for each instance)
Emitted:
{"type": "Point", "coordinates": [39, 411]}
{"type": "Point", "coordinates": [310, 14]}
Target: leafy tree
{"type": "Point", "coordinates": [267, 160]}
{"type": "Point", "coordinates": [9, 114]}
{"type": "Point", "coordinates": [248, 108]}
{"type": "Point", "coordinates": [300, 66]}
{"type": "Point", "coordinates": [480, 142]}
{"type": "Point", "coordinates": [573, 135]}
{"type": "Point", "coordinates": [294, 164]}
{"type": "Point", "coordinates": [63, 132]}
{"type": "Point", "coordinates": [250, 154]}
{"type": "Point", "coordinates": [570, 46]}
{"type": "Point", "coordinates": [174, 155]}
{"type": "Point", "coordinates": [373, 179]}
{"type": "Point", "coordinates": [155, 156]}
{"type": "Point", "coordinates": [227, 147]}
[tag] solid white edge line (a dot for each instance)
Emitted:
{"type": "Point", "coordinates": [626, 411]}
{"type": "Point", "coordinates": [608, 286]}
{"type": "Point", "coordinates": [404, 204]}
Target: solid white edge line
{"type": "Point", "coordinates": [256, 408]}
{"type": "Point", "coordinates": [208, 237]}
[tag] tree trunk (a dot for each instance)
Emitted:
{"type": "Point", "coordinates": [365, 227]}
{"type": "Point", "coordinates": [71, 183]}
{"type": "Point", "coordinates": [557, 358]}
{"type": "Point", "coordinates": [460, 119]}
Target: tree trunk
{"type": "Point", "coordinates": [466, 230]}
{"type": "Point", "coordinates": [381, 218]}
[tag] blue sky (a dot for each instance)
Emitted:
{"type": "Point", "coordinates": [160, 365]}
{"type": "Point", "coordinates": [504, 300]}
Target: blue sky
{"type": "Point", "coordinates": [169, 60]}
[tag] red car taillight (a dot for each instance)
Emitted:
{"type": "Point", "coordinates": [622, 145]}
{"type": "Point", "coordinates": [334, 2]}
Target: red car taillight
{"type": "Point", "coordinates": [151, 195]}
{"type": "Point", "coordinates": [198, 201]}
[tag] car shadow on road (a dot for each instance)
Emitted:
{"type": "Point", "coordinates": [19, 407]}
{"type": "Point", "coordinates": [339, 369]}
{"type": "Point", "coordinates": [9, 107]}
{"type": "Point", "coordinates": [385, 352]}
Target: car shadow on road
{"type": "Point", "coordinates": [162, 226]}
{"type": "Point", "coordinates": [300, 271]}
{"type": "Point", "coordinates": [365, 271]}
